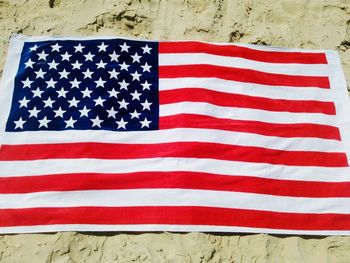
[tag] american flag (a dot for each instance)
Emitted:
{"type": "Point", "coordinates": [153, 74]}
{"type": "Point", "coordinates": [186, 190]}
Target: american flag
{"type": "Point", "coordinates": [111, 134]}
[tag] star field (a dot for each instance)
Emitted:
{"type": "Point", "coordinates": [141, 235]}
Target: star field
{"type": "Point", "coordinates": [108, 84]}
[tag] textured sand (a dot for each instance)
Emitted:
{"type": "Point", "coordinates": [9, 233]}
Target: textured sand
{"type": "Point", "coordinates": [290, 23]}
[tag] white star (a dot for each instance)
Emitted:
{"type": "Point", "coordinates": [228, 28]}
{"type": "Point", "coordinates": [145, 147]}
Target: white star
{"type": "Point", "coordinates": [37, 92]}
{"type": "Point", "coordinates": [53, 64]}
{"type": "Point", "coordinates": [42, 55]}
{"type": "Point", "coordinates": [84, 112]}
{"type": "Point", "coordinates": [62, 93]}
{"type": "Point", "coordinates": [135, 95]}
{"type": "Point", "coordinates": [124, 47]}
{"type": "Point", "coordinates": [99, 101]}
{"type": "Point", "coordinates": [135, 114]}
{"type": "Point", "coordinates": [40, 73]}
{"type": "Point", "coordinates": [96, 122]}
{"type": "Point", "coordinates": [124, 66]}
{"type": "Point", "coordinates": [44, 122]}
{"type": "Point", "coordinates": [70, 122]}
{"type": "Point", "coordinates": [75, 83]}
{"type": "Point", "coordinates": [146, 49]}
{"type": "Point", "coordinates": [33, 48]}
{"type": "Point", "coordinates": [102, 47]}
{"type": "Point", "coordinates": [100, 82]}
{"type": "Point", "coordinates": [123, 85]}
{"type": "Point", "coordinates": [146, 105]}
{"type": "Point", "coordinates": [145, 123]}
{"type": "Point", "coordinates": [29, 63]}
{"type": "Point", "coordinates": [113, 74]}
{"type": "Point", "coordinates": [79, 48]}
{"type": "Point", "coordinates": [136, 58]}
{"type": "Point", "coordinates": [146, 85]}
{"type": "Point", "coordinates": [19, 123]}
{"type": "Point", "coordinates": [114, 56]}
{"type": "Point", "coordinates": [34, 112]}
{"type": "Point", "coordinates": [77, 65]}
{"type": "Point", "coordinates": [59, 112]}
{"type": "Point", "coordinates": [123, 104]}
{"type": "Point", "coordinates": [87, 74]}
{"type": "Point", "coordinates": [23, 102]}
{"type": "Point", "coordinates": [113, 93]}
{"type": "Point", "coordinates": [63, 74]}
{"type": "Point", "coordinates": [73, 102]}
{"type": "Point", "coordinates": [86, 93]}
{"type": "Point", "coordinates": [48, 102]}
{"type": "Point", "coordinates": [101, 64]}
{"type": "Point", "coordinates": [112, 112]}
{"type": "Point", "coordinates": [135, 76]}
{"type": "Point", "coordinates": [66, 56]}
{"type": "Point", "coordinates": [51, 83]}
{"type": "Point", "coordinates": [56, 47]}
{"type": "Point", "coordinates": [89, 56]}
{"type": "Point", "coordinates": [146, 67]}
{"type": "Point", "coordinates": [121, 123]}
{"type": "Point", "coordinates": [26, 83]}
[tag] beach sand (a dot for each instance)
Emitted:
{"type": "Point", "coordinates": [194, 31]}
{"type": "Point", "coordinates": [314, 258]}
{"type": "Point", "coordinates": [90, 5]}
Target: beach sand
{"type": "Point", "coordinates": [323, 24]}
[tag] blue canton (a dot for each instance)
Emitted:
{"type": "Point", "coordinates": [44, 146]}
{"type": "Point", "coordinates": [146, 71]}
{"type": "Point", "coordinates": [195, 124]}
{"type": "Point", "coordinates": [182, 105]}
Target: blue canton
{"type": "Point", "coordinates": [109, 84]}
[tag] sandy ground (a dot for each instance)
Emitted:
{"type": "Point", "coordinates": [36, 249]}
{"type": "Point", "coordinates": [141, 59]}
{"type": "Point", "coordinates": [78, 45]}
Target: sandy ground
{"type": "Point", "coordinates": [291, 23]}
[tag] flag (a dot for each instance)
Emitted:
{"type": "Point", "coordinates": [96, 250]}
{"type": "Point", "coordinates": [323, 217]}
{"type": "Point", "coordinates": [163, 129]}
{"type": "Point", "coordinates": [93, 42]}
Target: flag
{"type": "Point", "coordinates": [112, 134]}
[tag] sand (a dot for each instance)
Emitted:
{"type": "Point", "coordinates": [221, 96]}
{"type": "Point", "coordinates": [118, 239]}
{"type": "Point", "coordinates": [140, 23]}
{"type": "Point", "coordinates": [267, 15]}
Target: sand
{"type": "Point", "coordinates": [290, 23]}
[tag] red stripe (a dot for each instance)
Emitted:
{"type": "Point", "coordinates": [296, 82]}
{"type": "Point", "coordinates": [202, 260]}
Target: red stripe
{"type": "Point", "coordinates": [243, 75]}
{"type": "Point", "coordinates": [173, 149]}
{"type": "Point", "coordinates": [244, 101]}
{"type": "Point", "coordinates": [187, 215]}
{"type": "Point", "coordinates": [243, 52]}
{"type": "Point", "coordinates": [269, 129]}
{"type": "Point", "coordinates": [178, 179]}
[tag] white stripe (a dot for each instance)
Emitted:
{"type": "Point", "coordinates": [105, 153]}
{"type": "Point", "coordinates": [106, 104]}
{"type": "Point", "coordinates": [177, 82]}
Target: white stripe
{"type": "Point", "coordinates": [281, 49]}
{"type": "Point", "coordinates": [8, 80]}
{"type": "Point", "coordinates": [261, 47]}
{"type": "Point", "coordinates": [63, 166]}
{"type": "Point", "coordinates": [176, 197]}
{"type": "Point", "coordinates": [162, 227]}
{"type": "Point", "coordinates": [177, 135]}
{"type": "Point", "coordinates": [237, 62]}
{"type": "Point", "coordinates": [208, 109]}
{"type": "Point", "coordinates": [342, 100]}
{"type": "Point", "coordinates": [26, 38]}
{"type": "Point", "coordinates": [250, 89]}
